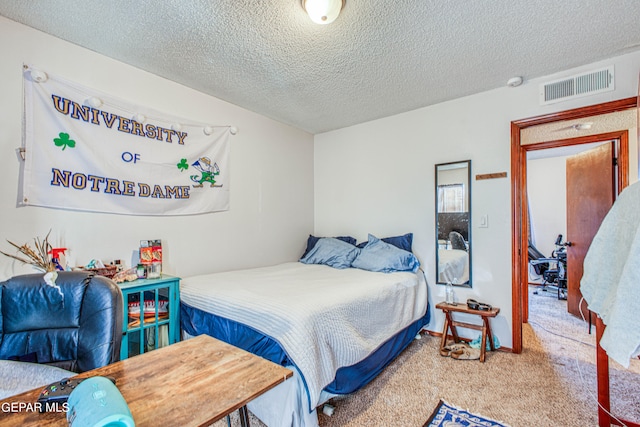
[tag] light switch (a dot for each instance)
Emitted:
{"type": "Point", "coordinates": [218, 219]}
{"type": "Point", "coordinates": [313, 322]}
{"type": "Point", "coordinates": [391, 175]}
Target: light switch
{"type": "Point", "coordinates": [484, 221]}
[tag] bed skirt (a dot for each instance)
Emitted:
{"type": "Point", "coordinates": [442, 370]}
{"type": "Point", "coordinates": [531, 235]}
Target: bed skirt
{"type": "Point", "coordinates": [347, 380]}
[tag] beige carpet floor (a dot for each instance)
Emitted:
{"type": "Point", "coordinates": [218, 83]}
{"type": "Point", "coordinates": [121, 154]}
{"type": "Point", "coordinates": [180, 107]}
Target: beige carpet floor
{"type": "Point", "coordinates": [552, 383]}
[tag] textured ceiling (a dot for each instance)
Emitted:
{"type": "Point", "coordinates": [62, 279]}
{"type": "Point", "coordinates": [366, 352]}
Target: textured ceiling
{"type": "Point", "coordinates": [379, 58]}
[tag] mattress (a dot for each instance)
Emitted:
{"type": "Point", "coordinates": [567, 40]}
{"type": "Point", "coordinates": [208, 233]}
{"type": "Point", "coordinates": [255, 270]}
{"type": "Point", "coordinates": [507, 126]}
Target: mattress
{"type": "Point", "coordinates": [323, 318]}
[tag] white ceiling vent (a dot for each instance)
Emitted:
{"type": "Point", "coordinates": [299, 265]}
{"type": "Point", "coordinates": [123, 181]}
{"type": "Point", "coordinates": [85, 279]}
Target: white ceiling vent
{"type": "Point", "coordinates": [577, 86]}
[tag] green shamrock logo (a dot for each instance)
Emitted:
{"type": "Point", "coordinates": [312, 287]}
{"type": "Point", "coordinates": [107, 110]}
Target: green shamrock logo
{"type": "Point", "coordinates": [64, 141]}
{"type": "Point", "coordinates": [183, 166]}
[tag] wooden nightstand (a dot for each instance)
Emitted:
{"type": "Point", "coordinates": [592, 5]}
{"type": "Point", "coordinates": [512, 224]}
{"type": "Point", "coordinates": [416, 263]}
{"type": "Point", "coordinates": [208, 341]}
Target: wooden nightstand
{"type": "Point", "coordinates": [450, 324]}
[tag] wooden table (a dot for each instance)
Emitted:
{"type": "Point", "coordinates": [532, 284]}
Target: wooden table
{"type": "Point", "coordinates": [191, 383]}
{"type": "Point", "coordinates": [485, 327]}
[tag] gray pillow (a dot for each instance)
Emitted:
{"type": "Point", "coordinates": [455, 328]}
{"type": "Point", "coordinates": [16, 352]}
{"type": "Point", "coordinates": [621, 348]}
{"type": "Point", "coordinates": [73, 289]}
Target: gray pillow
{"type": "Point", "coordinates": [384, 257]}
{"type": "Point", "coordinates": [332, 252]}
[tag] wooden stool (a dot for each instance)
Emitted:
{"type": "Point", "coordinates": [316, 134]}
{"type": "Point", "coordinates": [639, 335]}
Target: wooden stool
{"type": "Point", "coordinates": [449, 323]}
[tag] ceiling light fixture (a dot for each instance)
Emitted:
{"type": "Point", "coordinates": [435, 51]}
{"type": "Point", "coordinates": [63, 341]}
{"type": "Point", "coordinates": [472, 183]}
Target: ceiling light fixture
{"type": "Point", "coordinates": [323, 11]}
{"type": "Point", "coordinates": [582, 126]}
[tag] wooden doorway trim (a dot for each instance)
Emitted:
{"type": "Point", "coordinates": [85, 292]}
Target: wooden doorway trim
{"type": "Point", "coordinates": [519, 272]}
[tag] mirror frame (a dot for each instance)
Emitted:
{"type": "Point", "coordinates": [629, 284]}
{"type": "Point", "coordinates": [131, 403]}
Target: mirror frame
{"type": "Point", "coordinates": [438, 167]}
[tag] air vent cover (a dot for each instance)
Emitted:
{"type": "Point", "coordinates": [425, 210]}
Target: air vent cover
{"type": "Point", "coordinates": [577, 86]}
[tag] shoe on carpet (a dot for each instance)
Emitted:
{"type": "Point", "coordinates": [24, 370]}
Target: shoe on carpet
{"type": "Point", "coordinates": [466, 353]}
{"type": "Point", "coordinates": [453, 347]}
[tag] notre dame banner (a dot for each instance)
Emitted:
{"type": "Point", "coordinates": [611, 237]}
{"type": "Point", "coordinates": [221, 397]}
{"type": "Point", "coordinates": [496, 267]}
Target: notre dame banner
{"type": "Point", "coordinates": [88, 151]}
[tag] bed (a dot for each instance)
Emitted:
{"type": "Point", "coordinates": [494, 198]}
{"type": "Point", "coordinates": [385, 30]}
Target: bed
{"type": "Point", "coordinates": [337, 328]}
{"type": "Point", "coordinates": [453, 266]}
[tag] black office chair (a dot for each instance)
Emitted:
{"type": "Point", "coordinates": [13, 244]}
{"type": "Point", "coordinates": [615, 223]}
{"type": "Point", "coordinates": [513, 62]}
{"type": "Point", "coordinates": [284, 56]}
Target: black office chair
{"type": "Point", "coordinates": [552, 269]}
{"type": "Point", "coordinates": [537, 260]}
{"type": "Point", "coordinates": [457, 241]}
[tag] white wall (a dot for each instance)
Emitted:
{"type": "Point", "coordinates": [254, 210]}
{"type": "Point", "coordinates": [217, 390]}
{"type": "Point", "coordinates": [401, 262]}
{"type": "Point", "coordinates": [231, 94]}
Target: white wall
{"type": "Point", "coordinates": [271, 172]}
{"type": "Point", "coordinates": [378, 177]}
{"type": "Point", "coordinates": [547, 192]}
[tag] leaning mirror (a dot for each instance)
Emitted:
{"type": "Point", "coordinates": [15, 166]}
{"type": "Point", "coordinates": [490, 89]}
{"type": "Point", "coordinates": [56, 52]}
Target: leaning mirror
{"type": "Point", "coordinates": [453, 223]}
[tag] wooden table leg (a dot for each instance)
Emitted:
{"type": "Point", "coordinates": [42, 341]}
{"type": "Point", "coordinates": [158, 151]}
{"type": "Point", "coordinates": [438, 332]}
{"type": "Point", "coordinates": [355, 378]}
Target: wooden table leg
{"type": "Point", "coordinates": [483, 342]}
{"type": "Point", "coordinates": [244, 416]}
{"type": "Point", "coordinates": [452, 326]}
{"type": "Point", "coordinates": [489, 334]}
{"type": "Point", "coordinates": [445, 330]}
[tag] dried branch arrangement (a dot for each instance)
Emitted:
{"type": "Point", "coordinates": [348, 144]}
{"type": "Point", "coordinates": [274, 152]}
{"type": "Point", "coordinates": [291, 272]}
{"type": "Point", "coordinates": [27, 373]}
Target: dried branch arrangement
{"type": "Point", "coordinates": [38, 257]}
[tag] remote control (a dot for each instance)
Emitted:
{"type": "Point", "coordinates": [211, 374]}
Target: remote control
{"type": "Point", "coordinates": [58, 392]}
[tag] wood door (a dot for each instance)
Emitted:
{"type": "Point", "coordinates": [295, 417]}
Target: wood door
{"type": "Point", "coordinates": [590, 195]}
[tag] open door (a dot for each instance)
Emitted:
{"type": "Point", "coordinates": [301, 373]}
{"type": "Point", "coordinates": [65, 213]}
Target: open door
{"type": "Point", "coordinates": [590, 195]}
{"type": "Point", "coordinates": [519, 276]}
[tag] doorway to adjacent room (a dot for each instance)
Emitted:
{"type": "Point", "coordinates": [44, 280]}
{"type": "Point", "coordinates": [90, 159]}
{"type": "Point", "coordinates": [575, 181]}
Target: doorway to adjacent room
{"type": "Point", "coordinates": [520, 146]}
{"type": "Point", "coordinates": [569, 191]}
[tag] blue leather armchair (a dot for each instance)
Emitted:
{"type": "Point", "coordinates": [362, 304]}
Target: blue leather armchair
{"type": "Point", "coordinates": [78, 330]}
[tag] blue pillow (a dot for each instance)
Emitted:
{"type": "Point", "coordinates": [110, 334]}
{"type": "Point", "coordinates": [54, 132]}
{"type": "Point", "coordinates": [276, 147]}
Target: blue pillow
{"type": "Point", "coordinates": [332, 252]}
{"type": "Point", "coordinates": [401, 242]}
{"type": "Point", "coordinates": [312, 240]}
{"type": "Point", "coordinates": [380, 256]}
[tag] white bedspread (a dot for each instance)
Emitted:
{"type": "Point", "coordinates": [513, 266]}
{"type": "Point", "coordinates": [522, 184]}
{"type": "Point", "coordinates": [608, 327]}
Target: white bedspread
{"type": "Point", "coordinates": [324, 318]}
{"type": "Point", "coordinates": [611, 280]}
